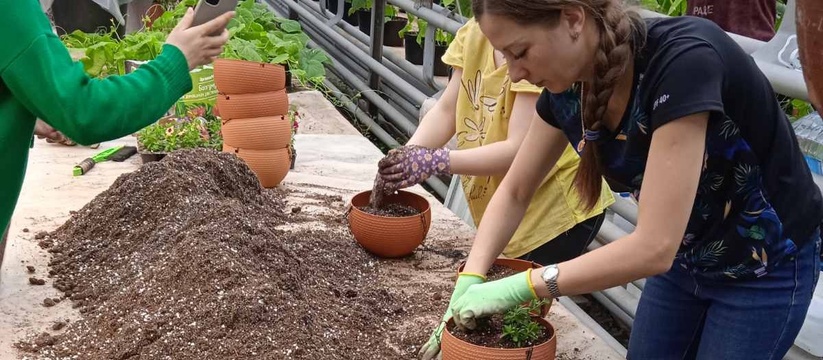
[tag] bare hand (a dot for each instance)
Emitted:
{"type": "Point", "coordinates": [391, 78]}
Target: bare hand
{"type": "Point", "coordinates": [46, 131]}
{"type": "Point", "coordinates": [203, 43]}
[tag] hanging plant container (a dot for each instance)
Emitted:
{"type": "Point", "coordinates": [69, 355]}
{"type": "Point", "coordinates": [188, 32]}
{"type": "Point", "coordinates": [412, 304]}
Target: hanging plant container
{"type": "Point", "coordinates": [389, 236]}
{"type": "Point", "coordinates": [270, 166]}
{"type": "Point", "coordinates": [237, 77]}
{"type": "Point", "coordinates": [262, 133]}
{"type": "Point", "coordinates": [810, 45]}
{"type": "Point", "coordinates": [154, 12]}
{"type": "Point", "coordinates": [454, 348]}
{"type": "Point", "coordinates": [272, 103]}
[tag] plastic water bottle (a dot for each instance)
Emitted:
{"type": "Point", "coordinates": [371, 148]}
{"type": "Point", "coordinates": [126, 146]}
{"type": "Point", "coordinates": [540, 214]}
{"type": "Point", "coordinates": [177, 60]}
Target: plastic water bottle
{"type": "Point", "coordinates": [812, 330]}
{"type": "Point", "coordinates": [809, 131]}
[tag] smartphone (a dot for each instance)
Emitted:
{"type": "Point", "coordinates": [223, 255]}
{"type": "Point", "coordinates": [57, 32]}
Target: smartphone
{"type": "Point", "coordinates": [207, 10]}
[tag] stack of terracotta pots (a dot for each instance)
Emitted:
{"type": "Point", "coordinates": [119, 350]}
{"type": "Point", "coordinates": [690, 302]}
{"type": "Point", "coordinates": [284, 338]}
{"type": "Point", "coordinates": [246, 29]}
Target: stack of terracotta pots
{"type": "Point", "coordinates": [253, 106]}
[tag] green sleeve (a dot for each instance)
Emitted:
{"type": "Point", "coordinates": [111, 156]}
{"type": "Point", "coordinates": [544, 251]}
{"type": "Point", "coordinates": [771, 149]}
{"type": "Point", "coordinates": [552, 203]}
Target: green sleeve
{"type": "Point", "coordinates": [45, 79]}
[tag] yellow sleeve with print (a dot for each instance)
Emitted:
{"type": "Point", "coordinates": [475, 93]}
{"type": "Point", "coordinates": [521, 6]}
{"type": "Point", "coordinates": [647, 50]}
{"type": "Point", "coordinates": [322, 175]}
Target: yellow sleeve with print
{"type": "Point", "coordinates": [484, 102]}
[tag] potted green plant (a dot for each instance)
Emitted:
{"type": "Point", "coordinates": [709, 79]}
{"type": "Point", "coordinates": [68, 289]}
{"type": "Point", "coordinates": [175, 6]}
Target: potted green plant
{"type": "Point", "coordinates": [195, 127]}
{"type": "Point", "coordinates": [516, 334]}
{"type": "Point", "coordinates": [392, 23]}
{"type": "Point", "coordinates": [414, 34]}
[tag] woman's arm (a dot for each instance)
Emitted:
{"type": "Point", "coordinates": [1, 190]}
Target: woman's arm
{"type": "Point", "coordinates": [542, 147]}
{"type": "Point", "coordinates": [44, 79]}
{"type": "Point", "coordinates": [496, 158]}
{"type": "Point", "coordinates": [438, 125]}
{"type": "Point", "coordinates": [667, 197]}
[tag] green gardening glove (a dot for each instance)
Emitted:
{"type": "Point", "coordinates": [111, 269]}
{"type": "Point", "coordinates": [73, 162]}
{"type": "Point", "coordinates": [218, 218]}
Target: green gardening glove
{"type": "Point", "coordinates": [431, 349]}
{"type": "Point", "coordinates": [483, 300]}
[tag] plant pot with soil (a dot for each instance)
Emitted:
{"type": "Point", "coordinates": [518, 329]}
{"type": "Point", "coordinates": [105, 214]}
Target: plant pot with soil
{"type": "Point", "coordinates": [414, 51]}
{"type": "Point", "coordinates": [810, 44]}
{"type": "Point", "coordinates": [504, 267]}
{"type": "Point", "coordinates": [394, 230]}
{"type": "Point", "coordinates": [514, 335]}
{"type": "Point", "coordinates": [391, 31]}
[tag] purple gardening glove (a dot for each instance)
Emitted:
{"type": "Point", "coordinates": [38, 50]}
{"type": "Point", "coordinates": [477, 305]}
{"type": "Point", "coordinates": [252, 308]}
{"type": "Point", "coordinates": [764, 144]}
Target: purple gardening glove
{"type": "Point", "coordinates": [410, 165]}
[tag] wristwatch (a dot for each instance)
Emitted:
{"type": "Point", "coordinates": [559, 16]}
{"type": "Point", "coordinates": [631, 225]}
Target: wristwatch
{"type": "Point", "coordinates": [549, 276]}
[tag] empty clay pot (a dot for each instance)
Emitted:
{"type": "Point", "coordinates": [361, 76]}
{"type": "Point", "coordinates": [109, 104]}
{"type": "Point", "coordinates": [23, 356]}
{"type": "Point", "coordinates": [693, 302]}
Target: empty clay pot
{"type": "Point", "coordinates": [273, 103]}
{"type": "Point", "coordinates": [385, 236]}
{"type": "Point", "coordinates": [237, 77]}
{"type": "Point", "coordinates": [518, 265]}
{"type": "Point", "coordinates": [262, 133]}
{"type": "Point", "coordinates": [453, 348]}
{"type": "Point", "coordinates": [810, 45]}
{"type": "Point", "coordinates": [270, 166]}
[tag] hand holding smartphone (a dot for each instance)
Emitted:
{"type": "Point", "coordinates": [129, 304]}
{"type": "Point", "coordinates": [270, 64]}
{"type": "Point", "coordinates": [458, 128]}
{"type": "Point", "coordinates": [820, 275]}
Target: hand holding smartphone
{"type": "Point", "coordinates": [206, 10]}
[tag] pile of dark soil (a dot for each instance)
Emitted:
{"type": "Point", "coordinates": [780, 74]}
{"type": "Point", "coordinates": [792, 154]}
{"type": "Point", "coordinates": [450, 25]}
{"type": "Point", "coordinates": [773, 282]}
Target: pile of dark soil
{"type": "Point", "coordinates": [184, 259]}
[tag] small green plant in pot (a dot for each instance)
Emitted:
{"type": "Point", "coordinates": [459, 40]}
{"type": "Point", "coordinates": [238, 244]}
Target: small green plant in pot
{"type": "Point", "coordinates": [515, 334]}
{"type": "Point", "coordinates": [195, 127]}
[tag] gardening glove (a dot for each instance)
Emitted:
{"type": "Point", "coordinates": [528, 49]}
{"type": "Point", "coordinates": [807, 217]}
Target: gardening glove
{"type": "Point", "coordinates": [410, 165]}
{"type": "Point", "coordinates": [431, 349]}
{"type": "Point", "coordinates": [483, 300]}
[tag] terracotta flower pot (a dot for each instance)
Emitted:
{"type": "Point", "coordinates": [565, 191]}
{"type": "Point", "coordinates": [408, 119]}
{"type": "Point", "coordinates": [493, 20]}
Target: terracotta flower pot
{"type": "Point", "coordinates": [273, 103]}
{"type": "Point", "coordinates": [453, 348]}
{"type": "Point", "coordinates": [270, 166]}
{"type": "Point", "coordinates": [517, 265]}
{"type": "Point", "coordinates": [237, 77]}
{"type": "Point", "coordinates": [385, 236]}
{"type": "Point", "coordinates": [810, 44]}
{"type": "Point", "coordinates": [154, 12]}
{"type": "Point", "coordinates": [262, 133]}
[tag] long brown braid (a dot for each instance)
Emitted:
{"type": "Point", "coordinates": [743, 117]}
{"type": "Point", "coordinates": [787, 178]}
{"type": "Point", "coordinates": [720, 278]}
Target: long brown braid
{"type": "Point", "coordinates": [617, 27]}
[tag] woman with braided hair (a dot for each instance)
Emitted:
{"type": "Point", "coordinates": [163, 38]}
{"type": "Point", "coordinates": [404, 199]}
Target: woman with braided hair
{"type": "Point", "coordinates": [672, 110]}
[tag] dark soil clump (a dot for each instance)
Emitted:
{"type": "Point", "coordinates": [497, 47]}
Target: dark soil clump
{"type": "Point", "coordinates": [489, 333]}
{"type": "Point", "coordinates": [391, 210]}
{"type": "Point", "coordinates": [189, 257]}
{"type": "Point", "coordinates": [497, 272]}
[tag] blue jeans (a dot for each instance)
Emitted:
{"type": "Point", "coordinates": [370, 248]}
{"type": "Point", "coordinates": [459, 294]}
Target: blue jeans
{"type": "Point", "coordinates": [683, 317]}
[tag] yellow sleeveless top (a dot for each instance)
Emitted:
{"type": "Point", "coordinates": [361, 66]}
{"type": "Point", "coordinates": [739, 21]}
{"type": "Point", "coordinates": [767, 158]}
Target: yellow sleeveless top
{"type": "Point", "coordinates": [483, 108]}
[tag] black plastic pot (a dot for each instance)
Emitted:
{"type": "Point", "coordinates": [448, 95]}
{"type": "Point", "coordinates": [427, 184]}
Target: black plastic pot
{"type": "Point", "coordinates": [364, 21]}
{"type": "Point", "coordinates": [440, 68]}
{"type": "Point", "coordinates": [147, 157]}
{"type": "Point", "coordinates": [351, 19]}
{"type": "Point", "coordinates": [390, 30]}
{"type": "Point", "coordinates": [414, 52]}
{"type": "Point", "coordinates": [83, 15]}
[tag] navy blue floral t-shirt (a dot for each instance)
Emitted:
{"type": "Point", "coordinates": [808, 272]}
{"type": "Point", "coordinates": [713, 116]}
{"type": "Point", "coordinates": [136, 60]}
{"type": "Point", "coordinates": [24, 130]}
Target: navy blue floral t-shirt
{"type": "Point", "coordinates": [756, 203]}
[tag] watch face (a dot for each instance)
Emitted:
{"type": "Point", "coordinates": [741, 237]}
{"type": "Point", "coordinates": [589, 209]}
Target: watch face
{"type": "Point", "coordinates": [550, 273]}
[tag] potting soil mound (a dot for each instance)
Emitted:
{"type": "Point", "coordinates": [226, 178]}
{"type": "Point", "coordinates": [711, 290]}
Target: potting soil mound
{"type": "Point", "coordinates": [181, 259]}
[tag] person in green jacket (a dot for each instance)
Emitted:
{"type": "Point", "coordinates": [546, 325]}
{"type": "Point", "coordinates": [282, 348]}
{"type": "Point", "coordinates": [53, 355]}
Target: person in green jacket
{"type": "Point", "coordinates": [39, 79]}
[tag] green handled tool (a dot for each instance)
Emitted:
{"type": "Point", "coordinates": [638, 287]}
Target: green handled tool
{"type": "Point", "coordinates": [88, 163]}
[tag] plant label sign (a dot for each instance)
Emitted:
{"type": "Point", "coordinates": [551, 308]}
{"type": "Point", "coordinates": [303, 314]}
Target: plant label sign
{"type": "Point", "coordinates": [203, 89]}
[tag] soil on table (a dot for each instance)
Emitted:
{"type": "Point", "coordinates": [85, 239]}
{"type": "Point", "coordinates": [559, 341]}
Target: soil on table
{"type": "Point", "coordinates": [489, 333]}
{"type": "Point", "coordinates": [190, 256]}
{"type": "Point", "coordinates": [391, 210]}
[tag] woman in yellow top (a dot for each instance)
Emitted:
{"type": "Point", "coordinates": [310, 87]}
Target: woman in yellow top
{"type": "Point", "coordinates": [490, 117]}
